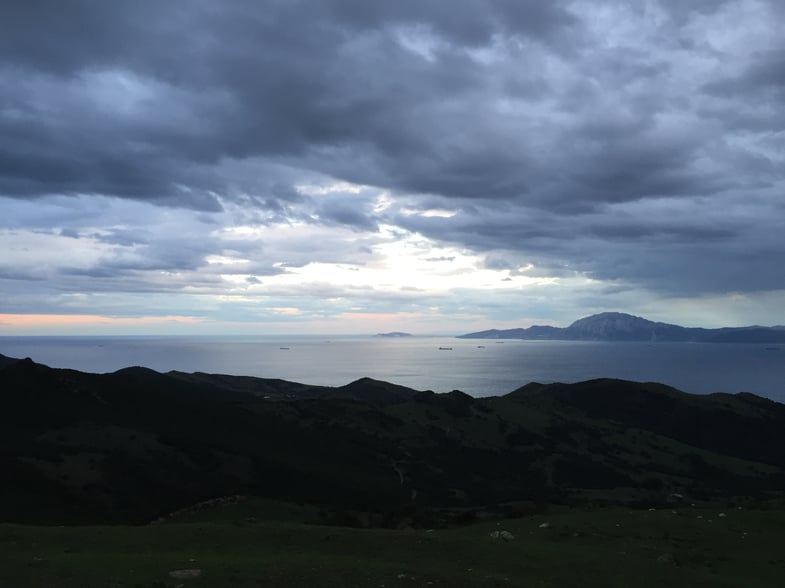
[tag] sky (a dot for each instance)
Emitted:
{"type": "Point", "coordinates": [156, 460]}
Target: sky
{"type": "Point", "coordinates": [357, 166]}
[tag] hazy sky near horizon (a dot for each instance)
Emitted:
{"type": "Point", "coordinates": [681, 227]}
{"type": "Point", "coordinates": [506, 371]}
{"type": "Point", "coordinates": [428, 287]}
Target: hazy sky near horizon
{"type": "Point", "coordinates": [353, 166]}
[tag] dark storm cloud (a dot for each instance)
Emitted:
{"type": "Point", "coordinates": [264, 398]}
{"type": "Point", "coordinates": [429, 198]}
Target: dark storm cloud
{"type": "Point", "coordinates": [123, 237]}
{"type": "Point", "coordinates": [666, 246]}
{"type": "Point", "coordinates": [346, 215]}
{"type": "Point", "coordinates": [681, 10]}
{"type": "Point", "coordinates": [751, 99]}
{"type": "Point", "coordinates": [766, 73]}
{"type": "Point", "coordinates": [538, 121]}
{"type": "Point", "coordinates": [277, 79]}
{"type": "Point", "coordinates": [22, 276]}
{"type": "Point", "coordinates": [472, 22]}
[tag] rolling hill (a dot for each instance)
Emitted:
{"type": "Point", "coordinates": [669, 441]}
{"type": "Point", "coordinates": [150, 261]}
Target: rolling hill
{"type": "Point", "coordinates": [134, 445]}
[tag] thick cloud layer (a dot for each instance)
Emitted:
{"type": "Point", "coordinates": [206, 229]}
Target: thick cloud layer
{"type": "Point", "coordinates": [634, 144]}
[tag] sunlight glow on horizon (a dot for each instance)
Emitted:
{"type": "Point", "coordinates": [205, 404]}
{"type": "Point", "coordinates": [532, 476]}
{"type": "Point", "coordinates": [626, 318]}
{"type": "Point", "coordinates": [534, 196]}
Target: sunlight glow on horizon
{"type": "Point", "coordinates": [428, 322]}
{"type": "Point", "coordinates": [39, 324]}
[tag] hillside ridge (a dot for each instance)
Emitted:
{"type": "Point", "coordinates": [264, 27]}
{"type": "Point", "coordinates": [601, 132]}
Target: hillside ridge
{"type": "Point", "coordinates": [133, 445]}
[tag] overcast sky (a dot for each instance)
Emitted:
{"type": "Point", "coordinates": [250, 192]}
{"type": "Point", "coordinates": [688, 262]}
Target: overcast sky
{"type": "Point", "coordinates": [355, 166]}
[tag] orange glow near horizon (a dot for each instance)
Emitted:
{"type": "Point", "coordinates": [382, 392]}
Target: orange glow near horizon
{"type": "Point", "coordinates": [43, 321]}
{"type": "Point", "coordinates": [346, 323]}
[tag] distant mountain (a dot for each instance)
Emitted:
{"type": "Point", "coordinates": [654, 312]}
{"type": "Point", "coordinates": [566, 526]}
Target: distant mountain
{"type": "Point", "coordinates": [136, 444]}
{"type": "Point", "coordinates": [394, 334]}
{"type": "Point", "coordinates": [617, 326]}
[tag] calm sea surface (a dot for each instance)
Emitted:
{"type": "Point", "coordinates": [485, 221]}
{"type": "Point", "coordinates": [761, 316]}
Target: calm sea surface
{"type": "Point", "coordinates": [478, 367]}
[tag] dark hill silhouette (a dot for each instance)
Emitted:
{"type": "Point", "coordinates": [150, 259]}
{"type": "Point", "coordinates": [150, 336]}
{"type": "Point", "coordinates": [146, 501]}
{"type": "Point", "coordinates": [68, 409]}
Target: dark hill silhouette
{"type": "Point", "coordinates": [136, 444]}
{"type": "Point", "coordinates": [373, 392]}
{"type": "Point", "coordinates": [739, 425]}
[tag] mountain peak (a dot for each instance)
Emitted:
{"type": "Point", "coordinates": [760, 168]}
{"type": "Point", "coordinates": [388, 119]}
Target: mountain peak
{"type": "Point", "coordinates": [613, 325]}
{"type": "Point", "coordinates": [620, 317]}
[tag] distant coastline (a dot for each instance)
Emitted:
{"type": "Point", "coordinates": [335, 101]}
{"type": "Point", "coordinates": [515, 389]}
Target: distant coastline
{"type": "Point", "coordinates": [394, 334]}
{"type": "Point", "coordinates": [618, 326]}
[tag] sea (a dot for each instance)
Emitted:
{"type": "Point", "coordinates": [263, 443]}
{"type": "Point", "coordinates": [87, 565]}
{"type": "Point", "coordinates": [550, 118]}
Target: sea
{"type": "Point", "coordinates": [478, 367]}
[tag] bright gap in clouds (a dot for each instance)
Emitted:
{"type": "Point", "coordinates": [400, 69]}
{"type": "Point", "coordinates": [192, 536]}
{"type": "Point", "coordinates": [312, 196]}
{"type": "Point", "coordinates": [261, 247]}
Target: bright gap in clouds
{"type": "Point", "coordinates": [145, 268]}
{"type": "Point", "coordinates": [397, 261]}
{"type": "Point", "coordinates": [206, 273]}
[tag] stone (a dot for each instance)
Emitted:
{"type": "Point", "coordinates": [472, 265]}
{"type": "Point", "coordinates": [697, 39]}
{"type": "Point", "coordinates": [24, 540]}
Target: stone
{"type": "Point", "coordinates": [185, 574]}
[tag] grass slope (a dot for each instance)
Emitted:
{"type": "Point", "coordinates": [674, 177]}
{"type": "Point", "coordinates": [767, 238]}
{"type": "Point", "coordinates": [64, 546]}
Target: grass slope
{"type": "Point", "coordinates": [606, 547]}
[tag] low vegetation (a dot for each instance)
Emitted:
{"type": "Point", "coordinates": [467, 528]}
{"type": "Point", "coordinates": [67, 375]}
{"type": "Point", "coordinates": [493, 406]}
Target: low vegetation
{"type": "Point", "coordinates": [563, 548]}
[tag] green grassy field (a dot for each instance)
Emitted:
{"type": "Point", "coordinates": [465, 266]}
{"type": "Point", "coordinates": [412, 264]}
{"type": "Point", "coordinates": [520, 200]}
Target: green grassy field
{"type": "Point", "coordinates": [604, 547]}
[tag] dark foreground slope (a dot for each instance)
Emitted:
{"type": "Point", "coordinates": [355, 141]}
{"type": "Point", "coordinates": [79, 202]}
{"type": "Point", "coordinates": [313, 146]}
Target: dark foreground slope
{"type": "Point", "coordinates": [596, 548]}
{"type": "Point", "coordinates": [135, 444]}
